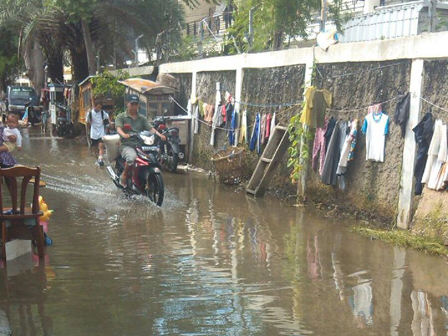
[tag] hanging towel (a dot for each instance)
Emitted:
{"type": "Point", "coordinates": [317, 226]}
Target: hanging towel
{"type": "Point", "coordinates": [208, 113]}
{"type": "Point", "coordinates": [244, 137]}
{"type": "Point", "coordinates": [263, 129]}
{"type": "Point", "coordinates": [273, 121]}
{"type": "Point", "coordinates": [433, 153]}
{"type": "Point", "coordinates": [305, 118]}
{"type": "Point", "coordinates": [254, 140]}
{"type": "Point", "coordinates": [346, 149]}
{"type": "Point", "coordinates": [319, 148]}
{"type": "Point", "coordinates": [267, 132]}
{"type": "Point", "coordinates": [195, 120]}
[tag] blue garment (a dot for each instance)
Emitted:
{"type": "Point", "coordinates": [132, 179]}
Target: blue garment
{"type": "Point", "coordinates": [233, 127]}
{"type": "Point", "coordinates": [255, 139]}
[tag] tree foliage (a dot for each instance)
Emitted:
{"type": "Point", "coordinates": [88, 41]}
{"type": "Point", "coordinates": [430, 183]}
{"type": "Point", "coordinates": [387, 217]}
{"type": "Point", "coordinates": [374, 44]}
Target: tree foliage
{"type": "Point", "coordinates": [275, 22]}
{"type": "Point", "coordinates": [106, 84]}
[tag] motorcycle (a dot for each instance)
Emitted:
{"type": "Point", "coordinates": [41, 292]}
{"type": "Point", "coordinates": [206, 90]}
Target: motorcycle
{"type": "Point", "coordinates": [63, 124]}
{"type": "Point", "coordinates": [145, 177]}
{"type": "Point", "coordinates": [170, 149]}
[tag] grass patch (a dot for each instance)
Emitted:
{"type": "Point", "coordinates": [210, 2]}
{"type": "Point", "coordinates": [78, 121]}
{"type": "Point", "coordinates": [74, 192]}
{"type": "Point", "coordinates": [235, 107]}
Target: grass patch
{"type": "Point", "coordinates": [404, 239]}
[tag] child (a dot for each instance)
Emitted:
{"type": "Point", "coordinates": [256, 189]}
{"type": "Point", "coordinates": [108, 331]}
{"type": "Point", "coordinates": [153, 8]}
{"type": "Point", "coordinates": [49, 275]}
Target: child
{"type": "Point", "coordinates": [13, 122]}
{"type": "Point", "coordinates": [97, 118]}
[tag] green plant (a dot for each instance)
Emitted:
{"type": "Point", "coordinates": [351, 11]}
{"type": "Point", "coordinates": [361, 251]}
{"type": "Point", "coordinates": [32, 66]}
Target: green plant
{"type": "Point", "coordinates": [106, 84]}
{"type": "Point", "coordinates": [299, 137]}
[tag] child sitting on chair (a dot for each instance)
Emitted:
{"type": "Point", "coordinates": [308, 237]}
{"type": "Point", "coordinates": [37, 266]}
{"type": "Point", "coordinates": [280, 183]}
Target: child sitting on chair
{"type": "Point", "coordinates": [13, 123]}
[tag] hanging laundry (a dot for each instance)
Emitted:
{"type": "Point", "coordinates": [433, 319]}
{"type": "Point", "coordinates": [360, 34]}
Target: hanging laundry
{"type": "Point", "coordinates": [229, 111]}
{"type": "Point", "coordinates": [195, 120]}
{"type": "Point", "coordinates": [255, 138]}
{"type": "Point", "coordinates": [319, 148]}
{"type": "Point", "coordinates": [432, 165]}
{"type": "Point", "coordinates": [217, 117]}
{"type": "Point", "coordinates": [375, 109]}
{"type": "Point", "coordinates": [244, 135]}
{"type": "Point", "coordinates": [354, 135]}
{"type": "Point", "coordinates": [202, 106]}
{"type": "Point", "coordinates": [401, 115]}
{"type": "Point", "coordinates": [208, 113]}
{"type": "Point", "coordinates": [348, 146]}
{"type": "Point", "coordinates": [316, 104]}
{"type": "Point", "coordinates": [375, 127]}
{"type": "Point", "coordinates": [332, 157]}
{"type": "Point", "coordinates": [223, 113]}
{"type": "Point", "coordinates": [436, 155]}
{"type": "Point", "coordinates": [329, 131]}
{"type": "Point", "coordinates": [189, 107]}
{"type": "Point", "coordinates": [423, 133]}
{"type": "Point", "coordinates": [305, 119]}
{"type": "Point", "coordinates": [233, 136]}
{"type": "Point", "coordinates": [273, 121]}
{"type": "Point", "coordinates": [263, 129]}
{"type": "Point", "coordinates": [267, 131]}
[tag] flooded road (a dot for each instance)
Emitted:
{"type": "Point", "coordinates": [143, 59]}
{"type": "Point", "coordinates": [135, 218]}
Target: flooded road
{"type": "Point", "coordinates": [210, 262]}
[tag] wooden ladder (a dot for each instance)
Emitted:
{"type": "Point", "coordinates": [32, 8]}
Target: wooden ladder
{"type": "Point", "coordinates": [270, 159]}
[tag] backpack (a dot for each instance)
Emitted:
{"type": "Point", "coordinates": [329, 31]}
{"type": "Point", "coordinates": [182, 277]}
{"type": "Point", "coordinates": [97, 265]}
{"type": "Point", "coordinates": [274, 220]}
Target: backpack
{"type": "Point", "coordinates": [105, 121]}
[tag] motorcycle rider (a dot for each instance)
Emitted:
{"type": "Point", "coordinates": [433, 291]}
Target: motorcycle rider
{"type": "Point", "coordinates": [135, 123]}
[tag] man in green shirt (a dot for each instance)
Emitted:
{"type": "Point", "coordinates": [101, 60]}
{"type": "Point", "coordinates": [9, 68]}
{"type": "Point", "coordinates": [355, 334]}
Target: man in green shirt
{"type": "Point", "coordinates": [127, 123]}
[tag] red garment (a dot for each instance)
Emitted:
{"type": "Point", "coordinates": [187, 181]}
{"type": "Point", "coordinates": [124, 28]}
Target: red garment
{"type": "Point", "coordinates": [268, 126]}
{"type": "Point", "coordinates": [223, 113]}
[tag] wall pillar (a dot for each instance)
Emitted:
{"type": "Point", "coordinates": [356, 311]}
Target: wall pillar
{"type": "Point", "coordinates": [406, 193]}
{"type": "Point", "coordinates": [238, 87]}
{"type": "Point", "coordinates": [193, 94]}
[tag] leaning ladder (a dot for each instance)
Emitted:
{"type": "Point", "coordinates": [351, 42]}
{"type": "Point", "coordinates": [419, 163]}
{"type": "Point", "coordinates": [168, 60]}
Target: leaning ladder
{"type": "Point", "coordinates": [270, 159]}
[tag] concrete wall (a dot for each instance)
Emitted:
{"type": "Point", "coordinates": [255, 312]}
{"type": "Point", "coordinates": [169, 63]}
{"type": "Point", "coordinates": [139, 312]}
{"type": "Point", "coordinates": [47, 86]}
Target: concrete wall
{"type": "Point", "coordinates": [381, 190]}
{"type": "Point", "coordinates": [371, 186]}
{"type": "Point", "coordinates": [431, 217]}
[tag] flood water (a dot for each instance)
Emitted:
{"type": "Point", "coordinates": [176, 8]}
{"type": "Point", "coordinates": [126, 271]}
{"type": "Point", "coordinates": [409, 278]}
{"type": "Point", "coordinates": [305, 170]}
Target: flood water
{"type": "Point", "coordinates": [211, 261]}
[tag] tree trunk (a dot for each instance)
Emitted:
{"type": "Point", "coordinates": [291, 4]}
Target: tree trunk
{"type": "Point", "coordinates": [34, 63]}
{"type": "Point", "coordinates": [89, 47]}
{"type": "Point", "coordinates": [56, 69]}
{"type": "Point", "coordinates": [79, 64]}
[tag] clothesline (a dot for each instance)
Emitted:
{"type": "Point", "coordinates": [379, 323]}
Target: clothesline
{"type": "Point", "coordinates": [361, 108]}
{"type": "Point", "coordinates": [432, 104]}
{"type": "Point", "coordinates": [358, 72]}
{"type": "Point", "coordinates": [221, 128]}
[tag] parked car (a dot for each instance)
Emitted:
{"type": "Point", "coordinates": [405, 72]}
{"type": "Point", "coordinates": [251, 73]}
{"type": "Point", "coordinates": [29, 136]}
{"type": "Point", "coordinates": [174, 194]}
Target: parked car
{"type": "Point", "coordinates": [18, 96]}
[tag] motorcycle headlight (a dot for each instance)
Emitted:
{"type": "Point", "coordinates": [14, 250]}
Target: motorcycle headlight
{"type": "Point", "coordinates": [148, 140]}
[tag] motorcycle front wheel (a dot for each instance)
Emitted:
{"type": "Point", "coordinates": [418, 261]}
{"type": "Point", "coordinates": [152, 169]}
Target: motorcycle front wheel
{"type": "Point", "coordinates": [154, 188]}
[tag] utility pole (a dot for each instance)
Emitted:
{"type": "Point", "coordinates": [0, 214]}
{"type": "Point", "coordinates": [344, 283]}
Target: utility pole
{"type": "Point", "coordinates": [251, 27]}
{"type": "Point", "coordinates": [432, 10]}
{"type": "Point", "coordinates": [323, 15]}
{"type": "Point", "coordinates": [201, 38]}
{"type": "Point", "coordinates": [136, 48]}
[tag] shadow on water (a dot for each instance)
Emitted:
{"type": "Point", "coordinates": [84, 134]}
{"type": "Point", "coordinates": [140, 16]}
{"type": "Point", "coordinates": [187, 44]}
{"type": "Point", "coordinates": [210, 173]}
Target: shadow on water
{"type": "Point", "coordinates": [210, 261]}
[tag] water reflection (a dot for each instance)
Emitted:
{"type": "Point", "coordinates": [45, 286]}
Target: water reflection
{"type": "Point", "coordinates": [212, 261]}
{"type": "Point", "coordinates": [22, 301]}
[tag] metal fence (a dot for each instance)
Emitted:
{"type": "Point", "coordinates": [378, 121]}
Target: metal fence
{"type": "Point", "coordinates": [212, 25]}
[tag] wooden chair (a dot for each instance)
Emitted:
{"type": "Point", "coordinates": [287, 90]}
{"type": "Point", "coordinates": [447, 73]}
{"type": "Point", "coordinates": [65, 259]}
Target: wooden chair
{"type": "Point", "coordinates": [17, 216]}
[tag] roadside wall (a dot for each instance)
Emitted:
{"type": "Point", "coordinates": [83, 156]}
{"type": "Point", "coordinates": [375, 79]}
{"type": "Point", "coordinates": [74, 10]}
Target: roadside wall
{"type": "Point", "coordinates": [372, 187]}
{"type": "Point", "coordinates": [358, 75]}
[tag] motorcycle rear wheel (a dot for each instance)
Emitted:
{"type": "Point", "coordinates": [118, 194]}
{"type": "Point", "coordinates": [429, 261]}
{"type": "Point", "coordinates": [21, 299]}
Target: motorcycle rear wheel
{"type": "Point", "coordinates": [173, 160]}
{"type": "Point", "coordinates": [154, 188]}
